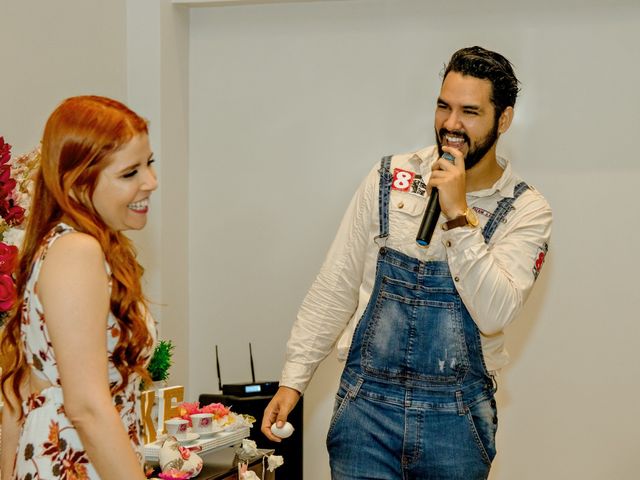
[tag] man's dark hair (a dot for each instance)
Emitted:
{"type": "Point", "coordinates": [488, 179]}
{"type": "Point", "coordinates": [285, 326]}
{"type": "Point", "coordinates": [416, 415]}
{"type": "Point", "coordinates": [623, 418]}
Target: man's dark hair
{"type": "Point", "coordinates": [485, 64]}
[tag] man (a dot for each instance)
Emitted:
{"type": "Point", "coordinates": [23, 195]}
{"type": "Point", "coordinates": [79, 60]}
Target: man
{"type": "Point", "coordinates": [424, 327]}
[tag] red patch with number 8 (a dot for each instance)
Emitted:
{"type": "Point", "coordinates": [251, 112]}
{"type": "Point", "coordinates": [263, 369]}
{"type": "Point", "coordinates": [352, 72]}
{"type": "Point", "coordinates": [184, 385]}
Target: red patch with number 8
{"type": "Point", "coordinates": [402, 180]}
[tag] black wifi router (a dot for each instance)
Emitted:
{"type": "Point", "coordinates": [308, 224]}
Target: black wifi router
{"type": "Point", "coordinates": [246, 389]}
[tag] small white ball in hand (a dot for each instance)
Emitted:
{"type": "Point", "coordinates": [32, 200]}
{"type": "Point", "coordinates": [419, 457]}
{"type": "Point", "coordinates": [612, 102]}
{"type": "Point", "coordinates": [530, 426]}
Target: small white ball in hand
{"type": "Point", "coordinates": [284, 432]}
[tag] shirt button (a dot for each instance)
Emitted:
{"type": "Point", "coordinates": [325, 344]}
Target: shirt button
{"type": "Point", "coordinates": [401, 205]}
{"type": "Point", "coordinates": [457, 279]}
{"type": "Point", "coordinates": [448, 243]}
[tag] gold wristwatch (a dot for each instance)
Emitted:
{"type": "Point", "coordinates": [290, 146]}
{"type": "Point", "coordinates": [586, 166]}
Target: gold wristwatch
{"type": "Point", "coordinates": [468, 217]}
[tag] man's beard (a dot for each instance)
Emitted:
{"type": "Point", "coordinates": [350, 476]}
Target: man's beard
{"type": "Point", "coordinates": [475, 153]}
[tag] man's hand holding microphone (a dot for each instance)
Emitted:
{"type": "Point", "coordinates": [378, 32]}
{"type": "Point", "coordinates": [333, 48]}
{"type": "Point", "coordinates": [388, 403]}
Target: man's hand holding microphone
{"type": "Point", "coordinates": [448, 192]}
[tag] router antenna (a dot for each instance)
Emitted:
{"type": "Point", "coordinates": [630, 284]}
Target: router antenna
{"type": "Point", "coordinates": [218, 370]}
{"type": "Point", "coordinates": [253, 373]}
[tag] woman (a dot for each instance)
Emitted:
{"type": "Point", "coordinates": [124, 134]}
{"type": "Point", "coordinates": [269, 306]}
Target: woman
{"type": "Point", "coordinates": [76, 347]}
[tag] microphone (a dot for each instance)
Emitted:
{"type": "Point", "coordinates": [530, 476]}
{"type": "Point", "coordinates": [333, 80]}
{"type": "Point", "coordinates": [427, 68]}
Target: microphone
{"type": "Point", "coordinates": [431, 214]}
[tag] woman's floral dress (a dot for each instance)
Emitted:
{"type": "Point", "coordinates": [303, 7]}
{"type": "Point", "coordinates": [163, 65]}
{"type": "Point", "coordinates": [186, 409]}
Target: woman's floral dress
{"type": "Point", "coordinates": [49, 446]}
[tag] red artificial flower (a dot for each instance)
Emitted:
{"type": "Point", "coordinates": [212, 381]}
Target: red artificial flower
{"type": "Point", "coordinates": [8, 258]}
{"type": "Point", "coordinates": [189, 408]}
{"type": "Point", "coordinates": [7, 187]}
{"type": "Point", "coordinates": [217, 409]}
{"type": "Point", "coordinates": [5, 151]}
{"type": "Point", "coordinates": [7, 184]}
{"type": "Point", "coordinates": [5, 172]}
{"type": "Point", "coordinates": [12, 214]}
{"type": "Point", "coordinates": [8, 292]}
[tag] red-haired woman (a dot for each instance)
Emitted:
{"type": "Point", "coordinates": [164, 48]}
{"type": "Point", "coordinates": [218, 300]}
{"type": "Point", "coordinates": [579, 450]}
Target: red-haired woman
{"type": "Point", "coordinates": [74, 351]}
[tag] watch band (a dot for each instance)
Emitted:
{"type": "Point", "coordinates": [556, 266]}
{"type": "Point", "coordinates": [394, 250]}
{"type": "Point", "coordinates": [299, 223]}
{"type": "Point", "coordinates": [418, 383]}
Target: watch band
{"type": "Point", "coordinates": [468, 217]}
{"type": "Point", "coordinates": [460, 221]}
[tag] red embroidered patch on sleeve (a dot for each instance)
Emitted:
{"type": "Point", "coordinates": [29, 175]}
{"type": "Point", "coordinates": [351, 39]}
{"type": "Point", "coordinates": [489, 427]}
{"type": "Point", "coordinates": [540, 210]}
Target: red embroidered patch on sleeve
{"type": "Point", "coordinates": [542, 254]}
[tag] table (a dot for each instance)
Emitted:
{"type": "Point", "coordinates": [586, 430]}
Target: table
{"type": "Point", "coordinates": [290, 449]}
{"type": "Point", "coordinates": [219, 441]}
{"type": "Point", "coordinates": [223, 465]}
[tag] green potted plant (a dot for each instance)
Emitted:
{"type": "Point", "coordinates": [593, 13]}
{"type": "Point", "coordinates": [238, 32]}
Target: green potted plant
{"type": "Point", "coordinates": [160, 362]}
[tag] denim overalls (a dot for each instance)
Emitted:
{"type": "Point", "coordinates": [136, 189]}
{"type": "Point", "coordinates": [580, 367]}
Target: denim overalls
{"type": "Point", "coordinates": [415, 398]}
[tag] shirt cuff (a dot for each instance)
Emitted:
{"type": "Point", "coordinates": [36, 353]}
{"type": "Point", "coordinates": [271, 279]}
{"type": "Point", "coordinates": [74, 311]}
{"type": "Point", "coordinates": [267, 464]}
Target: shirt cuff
{"type": "Point", "coordinates": [296, 376]}
{"type": "Point", "coordinates": [459, 239]}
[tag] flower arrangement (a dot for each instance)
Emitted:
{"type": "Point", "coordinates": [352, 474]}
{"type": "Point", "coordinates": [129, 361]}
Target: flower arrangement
{"type": "Point", "coordinates": [222, 416]}
{"type": "Point", "coordinates": [15, 192]}
{"type": "Point", "coordinates": [218, 410]}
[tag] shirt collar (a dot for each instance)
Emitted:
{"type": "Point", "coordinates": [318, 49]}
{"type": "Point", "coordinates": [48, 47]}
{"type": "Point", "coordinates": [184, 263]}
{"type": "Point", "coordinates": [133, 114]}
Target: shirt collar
{"type": "Point", "coordinates": [505, 185]}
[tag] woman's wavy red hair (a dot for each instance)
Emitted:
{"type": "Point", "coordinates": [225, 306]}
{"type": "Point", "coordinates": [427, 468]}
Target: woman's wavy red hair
{"type": "Point", "coordinates": [79, 138]}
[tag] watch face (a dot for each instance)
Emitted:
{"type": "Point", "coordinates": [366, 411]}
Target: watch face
{"type": "Point", "coordinates": [472, 218]}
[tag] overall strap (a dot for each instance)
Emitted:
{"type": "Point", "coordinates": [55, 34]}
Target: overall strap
{"type": "Point", "coordinates": [383, 196]}
{"type": "Point", "coordinates": [504, 207]}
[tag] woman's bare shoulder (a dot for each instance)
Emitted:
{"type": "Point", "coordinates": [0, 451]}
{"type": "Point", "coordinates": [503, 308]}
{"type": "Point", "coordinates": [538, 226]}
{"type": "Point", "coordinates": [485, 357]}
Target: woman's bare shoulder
{"type": "Point", "coordinates": [76, 257]}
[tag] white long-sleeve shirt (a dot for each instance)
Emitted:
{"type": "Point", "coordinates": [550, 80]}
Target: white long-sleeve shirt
{"type": "Point", "coordinates": [493, 280]}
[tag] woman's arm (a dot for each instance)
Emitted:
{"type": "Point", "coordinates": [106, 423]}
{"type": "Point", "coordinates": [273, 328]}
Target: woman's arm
{"type": "Point", "coordinates": [74, 290]}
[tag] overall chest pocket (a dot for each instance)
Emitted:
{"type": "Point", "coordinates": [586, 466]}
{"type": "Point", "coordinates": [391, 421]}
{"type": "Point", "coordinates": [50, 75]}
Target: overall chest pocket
{"type": "Point", "coordinates": [415, 333]}
{"type": "Point", "coordinates": [405, 215]}
{"type": "Point", "coordinates": [405, 207]}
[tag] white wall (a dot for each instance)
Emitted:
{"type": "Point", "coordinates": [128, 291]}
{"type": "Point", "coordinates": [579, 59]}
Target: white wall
{"type": "Point", "coordinates": [291, 104]}
{"type": "Point", "coordinates": [157, 56]}
{"type": "Point", "coordinates": [53, 50]}
{"type": "Point", "coordinates": [130, 50]}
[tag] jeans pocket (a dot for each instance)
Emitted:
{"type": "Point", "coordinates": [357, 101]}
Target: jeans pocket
{"type": "Point", "coordinates": [339, 406]}
{"type": "Point", "coordinates": [336, 405]}
{"type": "Point", "coordinates": [483, 422]}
